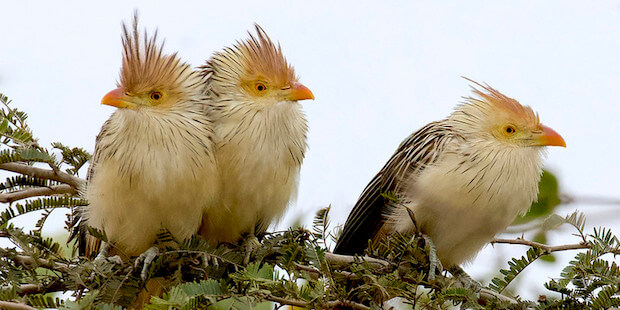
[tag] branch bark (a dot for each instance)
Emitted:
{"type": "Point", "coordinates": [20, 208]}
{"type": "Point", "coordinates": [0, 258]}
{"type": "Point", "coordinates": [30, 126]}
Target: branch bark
{"type": "Point", "coordinates": [489, 295]}
{"type": "Point", "coordinates": [30, 262]}
{"type": "Point", "coordinates": [59, 176]}
{"type": "Point", "coordinates": [27, 289]}
{"type": "Point", "coordinates": [339, 261]}
{"type": "Point", "coordinates": [546, 248]}
{"type": "Point", "coordinates": [39, 191]}
{"type": "Point", "coordinates": [307, 305]}
{"type": "Point", "coordinates": [14, 306]}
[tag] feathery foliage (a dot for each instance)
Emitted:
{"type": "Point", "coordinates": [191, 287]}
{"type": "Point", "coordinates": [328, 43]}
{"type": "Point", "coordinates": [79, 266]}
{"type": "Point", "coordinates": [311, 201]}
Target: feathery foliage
{"type": "Point", "coordinates": [292, 267]}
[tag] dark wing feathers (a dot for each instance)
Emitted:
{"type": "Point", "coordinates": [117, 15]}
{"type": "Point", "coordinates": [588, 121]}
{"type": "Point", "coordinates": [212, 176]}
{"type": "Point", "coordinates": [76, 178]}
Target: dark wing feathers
{"type": "Point", "coordinates": [87, 245]}
{"type": "Point", "coordinates": [416, 152]}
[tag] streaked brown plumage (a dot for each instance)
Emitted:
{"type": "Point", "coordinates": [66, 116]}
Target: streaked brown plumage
{"type": "Point", "coordinates": [261, 136]}
{"type": "Point", "coordinates": [465, 178]}
{"type": "Point", "coordinates": [153, 167]}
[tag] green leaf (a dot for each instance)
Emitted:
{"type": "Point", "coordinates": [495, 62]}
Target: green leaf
{"type": "Point", "coordinates": [552, 222]}
{"type": "Point", "coordinates": [36, 155]}
{"type": "Point", "coordinates": [516, 267]}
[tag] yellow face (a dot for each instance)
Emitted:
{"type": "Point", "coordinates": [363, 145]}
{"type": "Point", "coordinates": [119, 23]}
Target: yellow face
{"type": "Point", "coordinates": [124, 99]}
{"type": "Point", "coordinates": [262, 89]}
{"type": "Point", "coordinates": [525, 134]}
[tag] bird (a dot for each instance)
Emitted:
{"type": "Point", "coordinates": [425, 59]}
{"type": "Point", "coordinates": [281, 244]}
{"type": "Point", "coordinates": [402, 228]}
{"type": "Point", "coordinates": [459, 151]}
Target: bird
{"type": "Point", "coordinates": [153, 167]}
{"type": "Point", "coordinates": [260, 132]}
{"type": "Point", "coordinates": [464, 178]}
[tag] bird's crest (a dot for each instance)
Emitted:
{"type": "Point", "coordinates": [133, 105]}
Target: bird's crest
{"type": "Point", "coordinates": [264, 57]}
{"type": "Point", "coordinates": [255, 58]}
{"type": "Point", "coordinates": [144, 65]}
{"type": "Point", "coordinates": [502, 102]}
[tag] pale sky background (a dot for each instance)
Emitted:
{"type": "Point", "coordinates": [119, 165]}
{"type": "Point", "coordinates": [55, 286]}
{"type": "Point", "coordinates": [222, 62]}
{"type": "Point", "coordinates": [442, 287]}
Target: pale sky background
{"type": "Point", "coordinates": [378, 71]}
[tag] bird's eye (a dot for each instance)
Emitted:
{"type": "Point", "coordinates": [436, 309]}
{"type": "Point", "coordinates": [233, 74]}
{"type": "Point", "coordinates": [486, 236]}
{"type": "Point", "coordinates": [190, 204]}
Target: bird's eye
{"type": "Point", "coordinates": [260, 87]}
{"type": "Point", "coordinates": [156, 95]}
{"type": "Point", "coordinates": [510, 129]}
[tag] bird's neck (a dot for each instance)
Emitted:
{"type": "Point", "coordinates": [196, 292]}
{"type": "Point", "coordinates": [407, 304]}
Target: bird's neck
{"type": "Point", "coordinates": [134, 137]}
{"type": "Point", "coordinates": [494, 170]}
{"type": "Point", "coordinates": [276, 130]}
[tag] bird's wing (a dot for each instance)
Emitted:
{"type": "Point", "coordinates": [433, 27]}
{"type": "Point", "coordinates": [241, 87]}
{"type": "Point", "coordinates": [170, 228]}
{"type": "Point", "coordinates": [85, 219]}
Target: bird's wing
{"type": "Point", "coordinates": [416, 152]}
{"type": "Point", "coordinates": [87, 244]}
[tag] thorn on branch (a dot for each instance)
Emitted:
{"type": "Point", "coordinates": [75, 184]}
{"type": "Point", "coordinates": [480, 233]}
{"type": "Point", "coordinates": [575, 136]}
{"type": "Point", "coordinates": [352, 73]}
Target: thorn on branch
{"type": "Point", "coordinates": [547, 249]}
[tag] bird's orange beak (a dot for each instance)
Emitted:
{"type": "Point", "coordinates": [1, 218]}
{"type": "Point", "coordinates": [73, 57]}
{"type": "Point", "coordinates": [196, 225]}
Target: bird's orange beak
{"type": "Point", "coordinates": [549, 137]}
{"type": "Point", "coordinates": [118, 98]}
{"type": "Point", "coordinates": [299, 92]}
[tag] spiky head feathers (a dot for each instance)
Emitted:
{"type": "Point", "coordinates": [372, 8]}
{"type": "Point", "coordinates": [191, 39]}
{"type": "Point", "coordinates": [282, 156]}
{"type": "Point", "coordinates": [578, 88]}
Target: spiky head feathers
{"type": "Point", "coordinates": [255, 69]}
{"type": "Point", "coordinates": [151, 78]}
{"type": "Point", "coordinates": [491, 114]}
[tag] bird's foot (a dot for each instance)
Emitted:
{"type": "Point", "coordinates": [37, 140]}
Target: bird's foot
{"type": "Point", "coordinates": [251, 244]}
{"type": "Point", "coordinates": [464, 280]}
{"type": "Point", "coordinates": [434, 263]}
{"type": "Point", "coordinates": [145, 259]}
{"type": "Point", "coordinates": [103, 255]}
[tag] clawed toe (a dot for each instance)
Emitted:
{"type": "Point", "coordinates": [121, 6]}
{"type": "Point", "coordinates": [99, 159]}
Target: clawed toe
{"type": "Point", "coordinates": [145, 259]}
{"type": "Point", "coordinates": [464, 280]}
{"type": "Point", "coordinates": [435, 265]}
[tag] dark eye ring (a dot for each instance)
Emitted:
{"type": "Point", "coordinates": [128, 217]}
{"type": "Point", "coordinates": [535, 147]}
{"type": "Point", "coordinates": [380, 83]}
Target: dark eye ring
{"type": "Point", "coordinates": [156, 95]}
{"type": "Point", "coordinates": [260, 87]}
{"type": "Point", "coordinates": [510, 130]}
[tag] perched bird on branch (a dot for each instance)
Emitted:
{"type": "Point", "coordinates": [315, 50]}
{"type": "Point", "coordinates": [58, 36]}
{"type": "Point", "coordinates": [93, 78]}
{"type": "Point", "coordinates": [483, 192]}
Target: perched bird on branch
{"type": "Point", "coordinates": [261, 136]}
{"type": "Point", "coordinates": [153, 167]}
{"type": "Point", "coordinates": [464, 179]}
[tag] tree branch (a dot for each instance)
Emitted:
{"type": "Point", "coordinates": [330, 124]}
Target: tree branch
{"type": "Point", "coordinates": [14, 306]}
{"type": "Point", "coordinates": [546, 248]}
{"type": "Point", "coordinates": [315, 273]}
{"type": "Point", "coordinates": [594, 200]}
{"type": "Point", "coordinates": [307, 305]}
{"type": "Point", "coordinates": [32, 263]}
{"type": "Point", "coordinates": [27, 289]}
{"type": "Point", "coordinates": [59, 176]}
{"type": "Point", "coordinates": [490, 295]}
{"type": "Point", "coordinates": [339, 261]}
{"type": "Point", "coordinates": [39, 191]}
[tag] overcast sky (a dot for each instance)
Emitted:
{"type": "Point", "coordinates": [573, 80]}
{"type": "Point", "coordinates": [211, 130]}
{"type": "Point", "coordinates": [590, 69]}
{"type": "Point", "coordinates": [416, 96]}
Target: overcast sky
{"type": "Point", "coordinates": [378, 71]}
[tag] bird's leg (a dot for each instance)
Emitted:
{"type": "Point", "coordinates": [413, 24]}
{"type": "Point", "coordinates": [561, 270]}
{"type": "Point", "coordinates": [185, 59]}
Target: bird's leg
{"type": "Point", "coordinates": [250, 243]}
{"type": "Point", "coordinates": [146, 259]}
{"type": "Point", "coordinates": [464, 279]}
{"type": "Point", "coordinates": [433, 261]}
{"type": "Point", "coordinates": [103, 255]}
{"type": "Point", "coordinates": [103, 252]}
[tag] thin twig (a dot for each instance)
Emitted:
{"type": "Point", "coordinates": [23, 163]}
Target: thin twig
{"type": "Point", "coordinates": [59, 176]}
{"type": "Point", "coordinates": [315, 273]}
{"type": "Point", "coordinates": [490, 295]}
{"type": "Point", "coordinates": [326, 305]}
{"type": "Point", "coordinates": [30, 262]}
{"type": "Point", "coordinates": [15, 306]}
{"type": "Point", "coordinates": [338, 260]}
{"type": "Point", "coordinates": [39, 191]}
{"type": "Point", "coordinates": [27, 289]}
{"type": "Point", "coordinates": [546, 248]}
{"type": "Point", "coordinates": [591, 200]}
